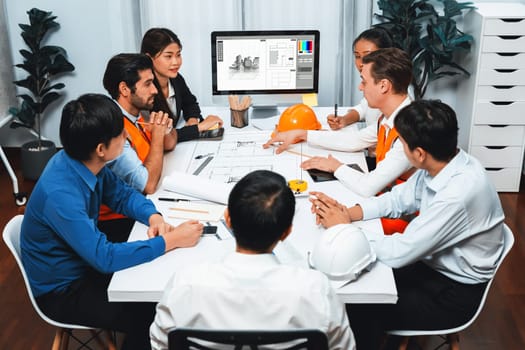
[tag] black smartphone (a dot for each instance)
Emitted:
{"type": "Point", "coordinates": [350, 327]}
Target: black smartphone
{"type": "Point", "coordinates": [321, 176]}
{"type": "Point", "coordinates": [214, 134]}
{"type": "Point", "coordinates": [209, 230]}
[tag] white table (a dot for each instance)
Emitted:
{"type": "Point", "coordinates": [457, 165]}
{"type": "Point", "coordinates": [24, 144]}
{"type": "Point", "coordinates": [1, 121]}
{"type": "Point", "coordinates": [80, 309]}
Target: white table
{"type": "Point", "coordinates": [146, 282]}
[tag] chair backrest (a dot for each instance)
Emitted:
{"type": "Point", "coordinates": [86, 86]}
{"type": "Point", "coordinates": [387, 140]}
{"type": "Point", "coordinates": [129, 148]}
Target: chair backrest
{"type": "Point", "coordinates": [11, 237]}
{"type": "Point", "coordinates": [508, 242]}
{"type": "Point", "coordinates": [189, 338]}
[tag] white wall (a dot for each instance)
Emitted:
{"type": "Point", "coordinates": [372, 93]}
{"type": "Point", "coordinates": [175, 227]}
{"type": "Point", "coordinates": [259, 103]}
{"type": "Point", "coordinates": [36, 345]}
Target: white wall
{"type": "Point", "coordinates": [90, 31]}
{"type": "Point", "coordinates": [94, 30]}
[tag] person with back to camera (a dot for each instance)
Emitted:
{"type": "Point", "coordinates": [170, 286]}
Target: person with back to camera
{"type": "Point", "coordinates": [385, 77]}
{"type": "Point", "coordinates": [68, 260]}
{"type": "Point", "coordinates": [449, 252]}
{"type": "Point", "coordinates": [217, 295]}
{"type": "Point", "coordinates": [174, 97]}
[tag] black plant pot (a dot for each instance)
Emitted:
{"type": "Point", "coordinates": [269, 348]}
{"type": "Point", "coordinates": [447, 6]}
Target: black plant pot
{"type": "Point", "coordinates": [34, 160]}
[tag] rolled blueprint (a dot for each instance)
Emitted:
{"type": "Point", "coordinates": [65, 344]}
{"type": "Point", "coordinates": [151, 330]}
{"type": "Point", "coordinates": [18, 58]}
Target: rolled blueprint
{"type": "Point", "coordinates": [197, 186]}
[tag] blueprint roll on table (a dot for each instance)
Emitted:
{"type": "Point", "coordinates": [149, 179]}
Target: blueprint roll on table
{"type": "Point", "coordinates": [197, 186]}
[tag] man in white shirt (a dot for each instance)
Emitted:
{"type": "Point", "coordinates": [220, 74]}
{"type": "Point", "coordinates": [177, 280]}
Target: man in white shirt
{"type": "Point", "coordinates": [447, 254]}
{"type": "Point", "coordinates": [250, 289]}
{"type": "Point", "coordinates": [385, 77]}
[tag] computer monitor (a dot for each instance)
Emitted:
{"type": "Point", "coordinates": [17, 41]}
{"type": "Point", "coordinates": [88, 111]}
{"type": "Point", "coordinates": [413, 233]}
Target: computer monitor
{"type": "Point", "coordinates": [274, 62]}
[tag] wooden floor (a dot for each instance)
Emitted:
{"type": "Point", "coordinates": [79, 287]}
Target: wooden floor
{"type": "Point", "coordinates": [501, 324]}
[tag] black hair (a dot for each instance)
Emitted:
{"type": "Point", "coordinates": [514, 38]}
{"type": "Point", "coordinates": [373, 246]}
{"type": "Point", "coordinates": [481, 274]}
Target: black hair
{"type": "Point", "coordinates": [157, 39]}
{"type": "Point", "coordinates": [261, 207]}
{"type": "Point", "coordinates": [153, 42]}
{"type": "Point", "coordinates": [88, 121]}
{"type": "Point", "coordinates": [392, 64]}
{"type": "Point", "coordinates": [125, 67]}
{"type": "Point", "coordinates": [377, 35]}
{"type": "Point", "coordinates": [431, 125]}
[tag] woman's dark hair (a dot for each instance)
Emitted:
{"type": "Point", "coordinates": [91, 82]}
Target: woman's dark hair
{"type": "Point", "coordinates": [431, 125]}
{"type": "Point", "coordinates": [261, 207]}
{"type": "Point", "coordinates": [377, 35]}
{"type": "Point", "coordinates": [157, 39]}
{"type": "Point", "coordinates": [88, 121]}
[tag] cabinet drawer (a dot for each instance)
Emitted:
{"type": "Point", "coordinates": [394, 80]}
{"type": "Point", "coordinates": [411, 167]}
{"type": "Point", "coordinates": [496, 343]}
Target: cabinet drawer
{"type": "Point", "coordinates": [505, 179]}
{"type": "Point", "coordinates": [491, 60]}
{"type": "Point", "coordinates": [503, 44]}
{"type": "Point", "coordinates": [507, 135]}
{"type": "Point", "coordinates": [505, 157]}
{"type": "Point", "coordinates": [501, 77]}
{"type": "Point", "coordinates": [499, 114]}
{"type": "Point", "coordinates": [501, 93]}
{"type": "Point", "coordinates": [504, 26]}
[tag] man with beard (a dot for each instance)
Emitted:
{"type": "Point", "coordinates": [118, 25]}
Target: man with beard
{"type": "Point", "coordinates": [129, 80]}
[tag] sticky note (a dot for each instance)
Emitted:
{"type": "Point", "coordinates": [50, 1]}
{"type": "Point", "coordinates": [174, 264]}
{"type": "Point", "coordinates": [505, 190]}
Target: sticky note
{"type": "Point", "coordinates": [310, 99]}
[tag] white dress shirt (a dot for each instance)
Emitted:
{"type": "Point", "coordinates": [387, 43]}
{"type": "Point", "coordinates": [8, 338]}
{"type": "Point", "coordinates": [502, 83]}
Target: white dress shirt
{"type": "Point", "coordinates": [251, 292]}
{"type": "Point", "coordinates": [459, 229]}
{"type": "Point", "coordinates": [386, 171]}
{"type": "Point", "coordinates": [366, 114]}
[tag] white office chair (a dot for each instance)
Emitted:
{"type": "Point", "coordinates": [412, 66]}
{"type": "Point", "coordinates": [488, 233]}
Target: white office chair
{"type": "Point", "coordinates": [452, 335]}
{"type": "Point", "coordinates": [11, 237]}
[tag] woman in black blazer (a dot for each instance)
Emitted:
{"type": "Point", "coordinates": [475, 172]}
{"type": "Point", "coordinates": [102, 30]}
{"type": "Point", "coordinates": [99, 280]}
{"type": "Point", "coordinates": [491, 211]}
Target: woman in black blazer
{"type": "Point", "coordinates": [174, 96]}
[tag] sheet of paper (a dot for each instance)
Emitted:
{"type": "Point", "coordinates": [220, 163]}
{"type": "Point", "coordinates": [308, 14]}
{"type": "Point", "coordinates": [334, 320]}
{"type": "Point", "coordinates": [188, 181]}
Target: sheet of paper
{"type": "Point", "coordinates": [310, 99]}
{"type": "Point", "coordinates": [197, 186]}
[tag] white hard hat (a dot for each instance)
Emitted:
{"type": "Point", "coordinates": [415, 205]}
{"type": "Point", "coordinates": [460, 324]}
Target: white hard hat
{"type": "Point", "coordinates": [342, 253]}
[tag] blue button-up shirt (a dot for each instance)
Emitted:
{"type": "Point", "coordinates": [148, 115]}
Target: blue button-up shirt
{"type": "Point", "coordinates": [60, 239]}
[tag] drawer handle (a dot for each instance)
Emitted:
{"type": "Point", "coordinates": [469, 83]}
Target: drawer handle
{"type": "Point", "coordinates": [495, 147]}
{"type": "Point", "coordinates": [493, 169]}
{"type": "Point", "coordinates": [509, 37]}
{"type": "Point", "coordinates": [502, 87]}
{"type": "Point", "coordinates": [511, 20]}
{"type": "Point", "coordinates": [505, 70]}
{"type": "Point", "coordinates": [507, 54]}
{"type": "Point", "coordinates": [497, 126]}
{"type": "Point", "coordinates": [502, 103]}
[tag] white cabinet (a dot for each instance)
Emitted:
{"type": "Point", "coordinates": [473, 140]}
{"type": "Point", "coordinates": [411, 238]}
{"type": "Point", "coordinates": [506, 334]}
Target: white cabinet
{"type": "Point", "coordinates": [491, 103]}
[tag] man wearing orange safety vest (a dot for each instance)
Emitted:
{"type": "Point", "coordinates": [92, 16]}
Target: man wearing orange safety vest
{"type": "Point", "coordinates": [385, 77]}
{"type": "Point", "coordinates": [129, 80]}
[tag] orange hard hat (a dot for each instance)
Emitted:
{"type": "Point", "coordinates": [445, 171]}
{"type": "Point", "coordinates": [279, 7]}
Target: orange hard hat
{"type": "Point", "coordinates": [299, 116]}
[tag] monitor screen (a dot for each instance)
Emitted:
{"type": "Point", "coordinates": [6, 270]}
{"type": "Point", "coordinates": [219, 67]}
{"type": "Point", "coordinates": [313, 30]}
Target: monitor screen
{"type": "Point", "coordinates": [265, 62]}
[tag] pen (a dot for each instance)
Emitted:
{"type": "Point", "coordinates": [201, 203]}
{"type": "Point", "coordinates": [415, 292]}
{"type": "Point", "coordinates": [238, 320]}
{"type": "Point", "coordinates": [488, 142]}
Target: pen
{"type": "Point", "coordinates": [166, 199]}
{"type": "Point", "coordinates": [335, 110]}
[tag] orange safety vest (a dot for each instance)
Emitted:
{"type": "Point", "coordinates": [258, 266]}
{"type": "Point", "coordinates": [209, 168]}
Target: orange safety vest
{"type": "Point", "coordinates": [384, 144]}
{"type": "Point", "coordinates": [140, 141]}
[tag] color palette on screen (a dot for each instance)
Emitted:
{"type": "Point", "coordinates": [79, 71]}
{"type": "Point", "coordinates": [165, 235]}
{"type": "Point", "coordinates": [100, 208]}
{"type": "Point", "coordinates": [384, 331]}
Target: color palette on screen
{"type": "Point", "coordinates": [305, 46]}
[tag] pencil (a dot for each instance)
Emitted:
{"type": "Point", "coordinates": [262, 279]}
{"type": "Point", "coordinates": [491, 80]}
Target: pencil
{"type": "Point", "coordinates": [298, 153]}
{"type": "Point", "coordinates": [191, 210]}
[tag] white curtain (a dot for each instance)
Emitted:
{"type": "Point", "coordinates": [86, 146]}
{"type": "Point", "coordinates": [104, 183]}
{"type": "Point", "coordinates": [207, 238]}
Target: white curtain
{"type": "Point", "coordinates": [339, 21]}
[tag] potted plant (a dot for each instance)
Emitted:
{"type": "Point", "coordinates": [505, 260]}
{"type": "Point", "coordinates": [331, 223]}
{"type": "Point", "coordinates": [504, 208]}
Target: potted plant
{"type": "Point", "coordinates": [43, 63]}
{"type": "Point", "coordinates": [430, 37]}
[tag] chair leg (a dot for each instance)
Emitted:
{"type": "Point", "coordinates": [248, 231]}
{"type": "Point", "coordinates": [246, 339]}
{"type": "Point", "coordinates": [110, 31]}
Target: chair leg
{"type": "Point", "coordinates": [99, 336]}
{"type": "Point", "coordinates": [453, 340]}
{"type": "Point", "coordinates": [65, 339]}
{"type": "Point", "coordinates": [404, 343]}
{"type": "Point", "coordinates": [57, 341]}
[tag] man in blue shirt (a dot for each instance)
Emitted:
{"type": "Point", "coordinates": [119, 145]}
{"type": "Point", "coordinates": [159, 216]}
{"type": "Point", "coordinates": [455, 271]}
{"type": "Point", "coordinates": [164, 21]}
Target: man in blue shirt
{"type": "Point", "coordinates": [68, 260]}
{"type": "Point", "coordinates": [447, 253]}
